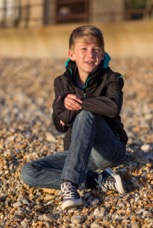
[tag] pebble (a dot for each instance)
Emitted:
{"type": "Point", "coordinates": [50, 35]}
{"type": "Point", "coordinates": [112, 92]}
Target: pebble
{"type": "Point", "coordinates": [17, 204]}
{"type": "Point", "coordinates": [99, 212]}
{"type": "Point", "coordinates": [48, 218]}
{"type": "Point", "coordinates": [50, 137]}
{"type": "Point", "coordinates": [27, 133]}
{"type": "Point", "coordinates": [94, 202]}
{"type": "Point", "coordinates": [95, 225]}
{"type": "Point", "coordinates": [78, 219]}
{"type": "Point", "coordinates": [145, 147]}
{"type": "Point", "coordinates": [24, 201]}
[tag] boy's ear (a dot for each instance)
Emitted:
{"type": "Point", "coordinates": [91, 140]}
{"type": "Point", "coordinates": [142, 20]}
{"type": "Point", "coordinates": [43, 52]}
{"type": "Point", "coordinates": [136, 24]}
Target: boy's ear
{"type": "Point", "coordinates": [71, 55]}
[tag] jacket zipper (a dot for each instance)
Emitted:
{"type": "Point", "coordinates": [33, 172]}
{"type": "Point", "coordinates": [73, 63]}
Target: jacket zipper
{"type": "Point", "coordinates": [84, 94]}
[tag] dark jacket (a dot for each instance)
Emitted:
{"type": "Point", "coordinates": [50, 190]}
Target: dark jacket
{"type": "Point", "coordinates": [102, 94]}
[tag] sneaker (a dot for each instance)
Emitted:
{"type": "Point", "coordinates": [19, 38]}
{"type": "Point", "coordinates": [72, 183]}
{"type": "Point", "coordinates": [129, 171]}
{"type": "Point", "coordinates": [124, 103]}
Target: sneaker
{"type": "Point", "coordinates": [108, 180]}
{"type": "Point", "coordinates": [71, 197]}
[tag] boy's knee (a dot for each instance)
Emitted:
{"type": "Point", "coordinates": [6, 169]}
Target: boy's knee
{"type": "Point", "coordinates": [84, 117]}
{"type": "Point", "coordinates": [85, 114]}
{"type": "Point", "coordinates": [26, 173]}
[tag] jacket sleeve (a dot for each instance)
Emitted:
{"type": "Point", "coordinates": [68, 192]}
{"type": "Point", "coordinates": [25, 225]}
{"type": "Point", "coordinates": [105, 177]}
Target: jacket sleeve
{"type": "Point", "coordinates": [59, 110]}
{"type": "Point", "coordinates": [109, 104]}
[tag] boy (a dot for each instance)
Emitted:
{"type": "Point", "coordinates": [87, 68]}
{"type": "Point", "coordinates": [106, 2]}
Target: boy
{"type": "Point", "coordinates": [88, 100]}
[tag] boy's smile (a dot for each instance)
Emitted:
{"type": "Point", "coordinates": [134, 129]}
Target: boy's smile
{"type": "Point", "coordinates": [87, 56]}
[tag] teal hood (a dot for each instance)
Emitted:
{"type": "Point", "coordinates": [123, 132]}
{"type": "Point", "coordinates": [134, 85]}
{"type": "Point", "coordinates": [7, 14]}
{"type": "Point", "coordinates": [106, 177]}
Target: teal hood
{"type": "Point", "coordinates": [106, 60]}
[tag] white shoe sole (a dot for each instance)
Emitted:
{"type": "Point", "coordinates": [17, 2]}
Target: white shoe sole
{"type": "Point", "coordinates": [71, 203]}
{"type": "Point", "coordinates": [118, 181]}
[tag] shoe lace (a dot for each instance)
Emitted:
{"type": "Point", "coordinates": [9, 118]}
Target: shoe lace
{"type": "Point", "coordinates": [105, 184]}
{"type": "Point", "coordinates": [68, 191]}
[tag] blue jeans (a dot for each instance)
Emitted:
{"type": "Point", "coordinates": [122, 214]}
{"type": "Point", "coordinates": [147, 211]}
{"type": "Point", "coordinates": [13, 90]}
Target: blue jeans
{"type": "Point", "coordinates": [93, 146]}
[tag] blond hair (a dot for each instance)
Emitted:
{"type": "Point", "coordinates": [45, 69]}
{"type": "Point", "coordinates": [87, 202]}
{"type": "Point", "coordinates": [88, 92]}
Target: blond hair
{"type": "Point", "coordinates": [87, 32]}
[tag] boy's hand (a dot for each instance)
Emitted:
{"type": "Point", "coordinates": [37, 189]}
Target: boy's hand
{"type": "Point", "coordinates": [72, 102]}
{"type": "Point", "coordinates": [62, 123]}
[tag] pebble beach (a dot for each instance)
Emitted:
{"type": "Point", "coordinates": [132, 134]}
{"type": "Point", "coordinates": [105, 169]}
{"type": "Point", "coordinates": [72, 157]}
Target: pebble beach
{"type": "Point", "coordinates": [27, 133]}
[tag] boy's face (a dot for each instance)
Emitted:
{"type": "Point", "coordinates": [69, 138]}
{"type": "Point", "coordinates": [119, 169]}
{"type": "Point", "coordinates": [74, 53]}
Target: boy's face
{"type": "Point", "coordinates": [87, 55]}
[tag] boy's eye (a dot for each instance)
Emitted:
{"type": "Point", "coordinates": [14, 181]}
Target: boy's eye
{"type": "Point", "coordinates": [84, 48]}
{"type": "Point", "coordinates": [97, 49]}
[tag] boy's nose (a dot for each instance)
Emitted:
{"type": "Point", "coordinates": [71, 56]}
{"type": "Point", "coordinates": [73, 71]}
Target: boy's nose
{"type": "Point", "coordinates": [90, 52]}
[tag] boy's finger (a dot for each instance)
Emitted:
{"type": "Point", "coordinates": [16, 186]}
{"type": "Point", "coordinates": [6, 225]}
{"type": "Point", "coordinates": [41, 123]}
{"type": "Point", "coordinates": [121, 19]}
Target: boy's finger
{"type": "Point", "coordinates": [74, 97]}
{"type": "Point", "coordinates": [72, 104]}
